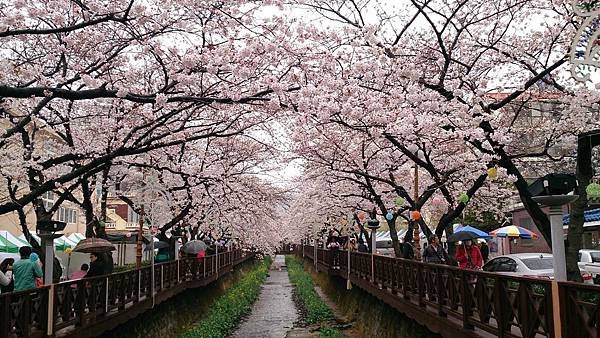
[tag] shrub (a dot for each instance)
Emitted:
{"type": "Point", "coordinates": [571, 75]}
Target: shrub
{"type": "Point", "coordinates": [328, 332]}
{"type": "Point", "coordinates": [316, 310]}
{"type": "Point", "coordinates": [227, 311]}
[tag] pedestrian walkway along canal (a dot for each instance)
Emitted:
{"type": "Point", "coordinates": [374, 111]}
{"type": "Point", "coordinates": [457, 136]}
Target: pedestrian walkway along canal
{"type": "Point", "coordinates": [274, 313]}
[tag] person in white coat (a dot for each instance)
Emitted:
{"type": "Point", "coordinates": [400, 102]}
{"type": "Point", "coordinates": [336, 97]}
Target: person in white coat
{"type": "Point", "coordinates": [5, 278]}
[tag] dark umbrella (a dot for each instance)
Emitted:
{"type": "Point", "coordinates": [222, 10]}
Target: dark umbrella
{"type": "Point", "coordinates": [463, 236]}
{"type": "Point", "coordinates": [94, 245]}
{"type": "Point", "coordinates": [157, 245]}
{"type": "Point", "coordinates": [193, 247]}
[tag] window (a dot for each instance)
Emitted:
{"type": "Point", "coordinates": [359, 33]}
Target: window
{"type": "Point", "coordinates": [595, 257]}
{"type": "Point", "coordinates": [491, 265]}
{"type": "Point", "coordinates": [67, 215]}
{"type": "Point", "coordinates": [501, 264]}
{"type": "Point", "coordinates": [540, 263]}
{"type": "Point", "coordinates": [132, 216]}
{"type": "Point", "coordinates": [48, 200]}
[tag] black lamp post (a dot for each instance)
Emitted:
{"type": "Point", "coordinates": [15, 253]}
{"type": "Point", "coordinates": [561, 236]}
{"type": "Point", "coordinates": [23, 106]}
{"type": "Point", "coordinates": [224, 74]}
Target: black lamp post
{"type": "Point", "coordinates": [373, 224]}
{"type": "Point", "coordinates": [551, 190]}
{"type": "Point", "coordinates": [47, 230]}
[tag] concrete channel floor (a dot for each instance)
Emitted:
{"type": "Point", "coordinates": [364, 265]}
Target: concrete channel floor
{"type": "Point", "coordinates": [274, 313]}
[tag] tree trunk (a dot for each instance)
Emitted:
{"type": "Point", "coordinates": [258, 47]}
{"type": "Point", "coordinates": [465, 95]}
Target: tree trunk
{"type": "Point", "coordinates": [93, 228]}
{"type": "Point", "coordinates": [394, 234]}
{"type": "Point", "coordinates": [104, 194]}
{"type": "Point", "coordinates": [584, 173]}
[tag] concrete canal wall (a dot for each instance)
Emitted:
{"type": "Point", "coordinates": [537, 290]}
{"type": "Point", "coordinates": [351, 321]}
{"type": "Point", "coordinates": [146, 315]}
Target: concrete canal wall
{"type": "Point", "coordinates": [175, 316]}
{"type": "Point", "coordinates": [371, 317]}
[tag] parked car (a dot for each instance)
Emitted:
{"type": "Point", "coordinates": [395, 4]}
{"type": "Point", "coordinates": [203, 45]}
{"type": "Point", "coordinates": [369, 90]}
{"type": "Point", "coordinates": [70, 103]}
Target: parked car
{"type": "Point", "coordinates": [589, 261]}
{"type": "Point", "coordinates": [537, 265]}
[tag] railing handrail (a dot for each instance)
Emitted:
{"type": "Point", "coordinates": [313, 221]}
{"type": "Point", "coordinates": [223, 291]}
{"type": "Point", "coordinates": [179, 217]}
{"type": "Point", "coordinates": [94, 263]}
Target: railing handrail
{"type": "Point", "coordinates": [71, 302]}
{"type": "Point", "coordinates": [518, 305]}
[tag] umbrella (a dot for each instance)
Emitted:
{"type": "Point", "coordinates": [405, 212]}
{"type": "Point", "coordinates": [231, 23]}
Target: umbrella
{"type": "Point", "coordinates": [195, 246]}
{"type": "Point", "coordinates": [94, 245]}
{"type": "Point", "coordinates": [157, 245]}
{"type": "Point", "coordinates": [466, 233]}
{"type": "Point", "coordinates": [514, 231]}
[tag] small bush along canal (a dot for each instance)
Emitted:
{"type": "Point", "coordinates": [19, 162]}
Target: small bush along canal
{"type": "Point", "coordinates": [315, 310]}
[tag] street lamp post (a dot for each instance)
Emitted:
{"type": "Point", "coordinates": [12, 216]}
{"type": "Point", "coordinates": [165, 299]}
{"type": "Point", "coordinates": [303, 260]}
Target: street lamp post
{"type": "Point", "coordinates": [555, 203]}
{"type": "Point", "coordinates": [416, 235]}
{"type": "Point", "coordinates": [373, 224]}
{"type": "Point", "coordinates": [138, 249]}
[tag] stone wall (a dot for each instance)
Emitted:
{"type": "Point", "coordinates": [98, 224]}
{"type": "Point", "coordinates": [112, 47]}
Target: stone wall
{"type": "Point", "coordinates": [372, 318]}
{"type": "Point", "coordinates": [176, 315]}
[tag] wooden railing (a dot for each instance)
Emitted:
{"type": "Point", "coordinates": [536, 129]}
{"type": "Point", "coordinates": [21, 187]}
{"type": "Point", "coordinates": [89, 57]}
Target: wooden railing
{"type": "Point", "coordinates": [457, 302]}
{"type": "Point", "coordinates": [93, 305]}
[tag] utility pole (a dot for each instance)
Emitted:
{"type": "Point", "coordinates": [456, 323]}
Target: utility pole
{"type": "Point", "coordinates": [416, 235]}
{"type": "Point", "coordinates": [138, 249]}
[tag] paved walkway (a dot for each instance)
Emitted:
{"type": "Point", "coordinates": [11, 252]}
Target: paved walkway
{"type": "Point", "coordinates": [274, 313]}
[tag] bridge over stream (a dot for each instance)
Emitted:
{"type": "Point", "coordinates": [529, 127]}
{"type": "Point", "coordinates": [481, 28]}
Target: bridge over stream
{"type": "Point", "coordinates": [464, 303]}
{"type": "Point", "coordinates": [91, 306]}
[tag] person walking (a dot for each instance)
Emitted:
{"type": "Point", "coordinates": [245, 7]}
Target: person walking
{"type": "Point", "coordinates": [408, 251]}
{"type": "Point", "coordinates": [361, 246]}
{"type": "Point", "coordinates": [26, 271]}
{"type": "Point", "coordinates": [434, 252]}
{"type": "Point", "coordinates": [6, 270]}
{"type": "Point", "coordinates": [469, 256]}
{"type": "Point", "coordinates": [81, 273]}
{"type": "Point", "coordinates": [485, 252]}
{"type": "Point", "coordinates": [96, 266]}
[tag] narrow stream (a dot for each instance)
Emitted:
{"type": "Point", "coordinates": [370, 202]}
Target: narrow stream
{"type": "Point", "coordinates": [274, 313]}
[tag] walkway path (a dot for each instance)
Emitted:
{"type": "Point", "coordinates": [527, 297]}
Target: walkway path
{"type": "Point", "coordinates": [274, 313]}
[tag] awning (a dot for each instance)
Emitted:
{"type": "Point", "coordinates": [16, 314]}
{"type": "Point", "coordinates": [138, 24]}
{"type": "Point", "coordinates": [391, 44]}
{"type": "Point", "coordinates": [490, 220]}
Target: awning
{"type": "Point", "coordinates": [60, 244]}
{"type": "Point", "coordinates": [10, 243]}
{"type": "Point", "coordinates": [589, 216]}
{"type": "Point", "coordinates": [75, 237]}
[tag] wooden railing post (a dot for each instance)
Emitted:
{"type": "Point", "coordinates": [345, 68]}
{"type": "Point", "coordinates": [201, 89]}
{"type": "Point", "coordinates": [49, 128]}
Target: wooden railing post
{"type": "Point", "coordinates": [5, 316]}
{"type": "Point", "coordinates": [372, 268]}
{"type": "Point", "coordinates": [467, 305]}
{"type": "Point", "coordinates": [106, 295]}
{"type": "Point", "coordinates": [162, 277]}
{"type": "Point", "coordinates": [440, 292]}
{"type": "Point", "coordinates": [25, 315]}
{"type": "Point", "coordinates": [50, 312]}
{"type": "Point", "coordinates": [139, 293]}
{"type": "Point", "coordinates": [558, 309]}
{"type": "Point", "coordinates": [420, 285]}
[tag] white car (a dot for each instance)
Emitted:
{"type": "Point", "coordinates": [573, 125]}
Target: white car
{"type": "Point", "coordinates": [537, 265]}
{"type": "Point", "coordinates": [589, 261]}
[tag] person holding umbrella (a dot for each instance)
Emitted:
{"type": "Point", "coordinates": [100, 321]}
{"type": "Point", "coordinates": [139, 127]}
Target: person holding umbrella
{"type": "Point", "coordinates": [96, 265]}
{"type": "Point", "coordinates": [469, 256]}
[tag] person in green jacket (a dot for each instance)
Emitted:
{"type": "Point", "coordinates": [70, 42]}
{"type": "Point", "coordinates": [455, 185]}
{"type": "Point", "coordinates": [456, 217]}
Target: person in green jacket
{"type": "Point", "coordinates": [25, 270]}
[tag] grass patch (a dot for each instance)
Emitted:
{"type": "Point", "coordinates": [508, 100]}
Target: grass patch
{"type": "Point", "coordinates": [227, 311]}
{"type": "Point", "coordinates": [317, 312]}
{"type": "Point", "coordinates": [329, 332]}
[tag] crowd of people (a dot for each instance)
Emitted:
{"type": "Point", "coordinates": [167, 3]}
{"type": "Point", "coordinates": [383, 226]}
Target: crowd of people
{"type": "Point", "coordinates": [469, 254]}
{"type": "Point", "coordinates": [26, 272]}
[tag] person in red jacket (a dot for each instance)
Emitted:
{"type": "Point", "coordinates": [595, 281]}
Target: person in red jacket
{"type": "Point", "coordinates": [469, 256]}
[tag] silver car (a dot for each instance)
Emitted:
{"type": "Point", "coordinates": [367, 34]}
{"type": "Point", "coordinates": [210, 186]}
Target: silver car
{"type": "Point", "coordinates": [538, 265]}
